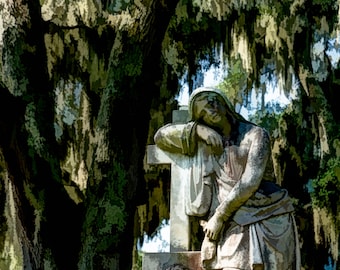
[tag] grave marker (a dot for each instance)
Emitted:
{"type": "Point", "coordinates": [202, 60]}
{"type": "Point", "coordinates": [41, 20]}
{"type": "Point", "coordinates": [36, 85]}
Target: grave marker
{"type": "Point", "coordinates": [179, 255]}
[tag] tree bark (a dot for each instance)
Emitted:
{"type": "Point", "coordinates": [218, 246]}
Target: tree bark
{"type": "Point", "coordinates": [72, 144]}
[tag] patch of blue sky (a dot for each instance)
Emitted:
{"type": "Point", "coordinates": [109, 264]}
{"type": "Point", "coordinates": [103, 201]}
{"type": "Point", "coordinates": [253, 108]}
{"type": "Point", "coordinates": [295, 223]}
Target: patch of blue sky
{"type": "Point", "coordinates": [160, 242]}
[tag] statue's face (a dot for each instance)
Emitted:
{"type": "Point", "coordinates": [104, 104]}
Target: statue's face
{"type": "Point", "coordinates": [211, 109]}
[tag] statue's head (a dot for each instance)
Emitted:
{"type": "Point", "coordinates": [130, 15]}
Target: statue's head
{"type": "Point", "coordinates": [210, 94]}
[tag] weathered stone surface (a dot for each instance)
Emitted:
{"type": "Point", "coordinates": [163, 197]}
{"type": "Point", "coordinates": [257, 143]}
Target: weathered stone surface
{"type": "Point", "coordinates": [223, 171]}
{"type": "Point", "coordinates": [179, 225]}
{"type": "Point", "coordinates": [181, 115]}
{"type": "Point", "coordinates": [172, 261]}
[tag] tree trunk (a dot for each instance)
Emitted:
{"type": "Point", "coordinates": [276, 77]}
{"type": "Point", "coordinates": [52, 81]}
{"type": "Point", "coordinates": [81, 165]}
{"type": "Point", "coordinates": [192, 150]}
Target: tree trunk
{"type": "Point", "coordinates": [75, 101]}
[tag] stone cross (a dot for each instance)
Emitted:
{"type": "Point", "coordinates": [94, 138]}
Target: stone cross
{"type": "Point", "coordinates": [179, 221]}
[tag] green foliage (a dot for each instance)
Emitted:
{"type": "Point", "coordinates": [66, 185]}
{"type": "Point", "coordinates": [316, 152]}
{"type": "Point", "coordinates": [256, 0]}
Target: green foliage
{"type": "Point", "coordinates": [12, 70]}
{"type": "Point", "coordinates": [189, 40]}
{"type": "Point", "coordinates": [112, 206]}
{"type": "Point", "coordinates": [114, 216]}
{"type": "Point", "coordinates": [36, 201]}
{"type": "Point", "coordinates": [268, 118]}
{"type": "Point", "coordinates": [117, 6]}
{"type": "Point", "coordinates": [235, 82]}
{"type": "Point", "coordinates": [326, 187]}
{"type": "Point", "coordinates": [324, 5]}
{"type": "Point", "coordinates": [35, 141]}
{"type": "Point", "coordinates": [109, 215]}
{"type": "Point", "coordinates": [131, 64]}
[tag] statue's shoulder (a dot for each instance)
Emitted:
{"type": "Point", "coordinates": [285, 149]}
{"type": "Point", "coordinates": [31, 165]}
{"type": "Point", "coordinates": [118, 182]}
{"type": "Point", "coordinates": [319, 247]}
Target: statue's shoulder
{"type": "Point", "coordinates": [250, 131]}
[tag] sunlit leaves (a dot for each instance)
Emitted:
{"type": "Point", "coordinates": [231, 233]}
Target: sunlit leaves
{"type": "Point", "coordinates": [235, 82]}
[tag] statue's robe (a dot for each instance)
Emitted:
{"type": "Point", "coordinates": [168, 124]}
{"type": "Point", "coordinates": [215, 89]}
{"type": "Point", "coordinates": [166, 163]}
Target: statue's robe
{"type": "Point", "coordinates": [260, 230]}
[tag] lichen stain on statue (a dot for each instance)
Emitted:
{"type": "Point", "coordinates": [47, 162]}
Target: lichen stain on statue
{"type": "Point", "coordinates": [247, 219]}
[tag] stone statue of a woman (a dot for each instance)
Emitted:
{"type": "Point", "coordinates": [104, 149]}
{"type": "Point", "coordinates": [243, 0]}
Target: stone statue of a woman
{"type": "Point", "coordinates": [247, 219]}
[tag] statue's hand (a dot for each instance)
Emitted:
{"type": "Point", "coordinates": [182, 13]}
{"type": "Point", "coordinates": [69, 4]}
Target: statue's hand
{"type": "Point", "coordinates": [211, 137]}
{"type": "Point", "coordinates": [213, 227]}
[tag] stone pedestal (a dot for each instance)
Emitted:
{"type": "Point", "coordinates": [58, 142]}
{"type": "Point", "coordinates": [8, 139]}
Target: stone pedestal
{"type": "Point", "coordinates": [186, 260]}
